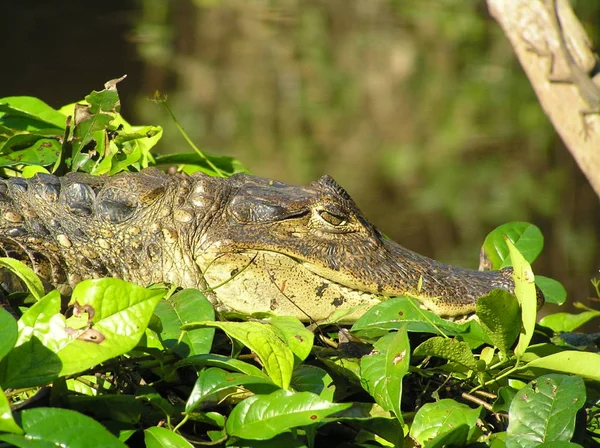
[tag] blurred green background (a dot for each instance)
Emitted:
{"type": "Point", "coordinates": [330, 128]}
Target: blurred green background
{"type": "Point", "coordinates": [417, 107]}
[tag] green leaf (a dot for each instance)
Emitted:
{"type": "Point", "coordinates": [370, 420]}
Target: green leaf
{"type": "Point", "coordinates": [223, 362]}
{"type": "Point", "coordinates": [566, 322]}
{"type": "Point", "coordinates": [26, 274]}
{"type": "Point", "coordinates": [584, 364]}
{"type": "Point", "coordinates": [120, 408]}
{"type": "Point", "coordinates": [48, 347]}
{"type": "Point", "coordinates": [45, 151]}
{"type": "Point", "coordinates": [544, 411]}
{"type": "Point", "coordinates": [398, 312]}
{"type": "Point", "coordinates": [448, 348]}
{"type": "Point", "coordinates": [186, 306]}
{"type": "Point", "coordinates": [308, 378]}
{"type": "Point", "coordinates": [383, 369]}
{"type": "Point", "coordinates": [554, 292]}
{"type": "Point", "coordinates": [262, 417]}
{"type": "Point", "coordinates": [527, 238]}
{"type": "Point", "coordinates": [213, 380]}
{"type": "Point", "coordinates": [506, 394]}
{"type": "Point", "coordinates": [7, 422]}
{"type": "Point", "coordinates": [293, 332]}
{"type": "Point", "coordinates": [526, 294]}
{"type": "Point", "coordinates": [149, 395]}
{"type": "Point", "coordinates": [8, 332]}
{"type": "Point", "coordinates": [274, 354]}
{"type": "Point", "coordinates": [60, 427]}
{"type": "Point", "coordinates": [32, 108]}
{"type": "Point", "coordinates": [193, 162]}
{"type": "Point", "coordinates": [158, 437]}
{"type": "Point", "coordinates": [444, 423]}
{"type": "Point", "coordinates": [373, 419]}
{"type": "Point", "coordinates": [500, 317]}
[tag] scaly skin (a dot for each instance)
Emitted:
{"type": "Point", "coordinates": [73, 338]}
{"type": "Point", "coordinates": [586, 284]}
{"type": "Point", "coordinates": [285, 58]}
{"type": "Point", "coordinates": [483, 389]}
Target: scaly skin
{"type": "Point", "coordinates": [261, 244]}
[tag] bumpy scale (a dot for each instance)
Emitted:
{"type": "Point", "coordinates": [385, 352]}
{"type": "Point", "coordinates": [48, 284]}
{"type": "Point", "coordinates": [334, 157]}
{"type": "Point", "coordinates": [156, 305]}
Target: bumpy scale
{"type": "Point", "coordinates": [253, 244]}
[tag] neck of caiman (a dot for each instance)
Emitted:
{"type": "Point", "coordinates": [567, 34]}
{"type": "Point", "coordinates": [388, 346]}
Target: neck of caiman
{"type": "Point", "coordinates": [392, 270]}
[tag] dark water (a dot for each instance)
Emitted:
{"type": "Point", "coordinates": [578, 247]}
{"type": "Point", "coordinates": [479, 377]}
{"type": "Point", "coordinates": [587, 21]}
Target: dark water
{"type": "Point", "coordinates": [426, 119]}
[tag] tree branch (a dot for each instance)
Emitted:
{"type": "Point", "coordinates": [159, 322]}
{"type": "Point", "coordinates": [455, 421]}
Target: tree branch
{"type": "Point", "coordinates": [530, 27]}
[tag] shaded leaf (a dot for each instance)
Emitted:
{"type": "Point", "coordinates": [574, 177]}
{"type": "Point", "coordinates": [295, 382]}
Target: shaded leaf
{"type": "Point", "coordinates": [308, 378]}
{"type": "Point", "coordinates": [26, 274]}
{"type": "Point", "coordinates": [397, 312]}
{"type": "Point", "coordinates": [223, 362]}
{"type": "Point", "coordinates": [500, 317]}
{"type": "Point", "coordinates": [188, 305]}
{"type": "Point", "coordinates": [554, 292]}
{"type": "Point", "coordinates": [8, 332]}
{"type": "Point", "coordinates": [45, 151]}
{"type": "Point", "coordinates": [448, 348]}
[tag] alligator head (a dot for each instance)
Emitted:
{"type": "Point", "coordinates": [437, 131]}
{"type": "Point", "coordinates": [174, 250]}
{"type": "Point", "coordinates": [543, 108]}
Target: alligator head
{"type": "Point", "coordinates": [310, 251]}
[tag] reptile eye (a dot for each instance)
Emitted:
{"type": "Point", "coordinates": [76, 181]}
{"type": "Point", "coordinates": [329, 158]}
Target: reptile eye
{"type": "Point", "coordinates": [334, 220]}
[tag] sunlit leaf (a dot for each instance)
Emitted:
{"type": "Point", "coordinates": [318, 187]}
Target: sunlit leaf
{"type": "Point", "coordinates": [264, 416]}
{"type": "Point", "coordinates": [544, 411]}
{"type": "Point", "coordinates": [527, 238]}
{"type": "Point", "coordinates": [274, 354]}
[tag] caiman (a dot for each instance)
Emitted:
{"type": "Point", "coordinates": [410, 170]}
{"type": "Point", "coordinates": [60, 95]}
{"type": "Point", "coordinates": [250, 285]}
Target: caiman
{"type": "Point", "coordinates": [254, 244]}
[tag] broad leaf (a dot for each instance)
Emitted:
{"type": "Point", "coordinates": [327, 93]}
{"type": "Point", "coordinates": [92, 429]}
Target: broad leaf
{"type": "Point", "coordinates": [45, 427]}
{"type": "Point", "coordinates": [445, 423]}
{"type": "Point", "coordinates": [448, 348]}
{"type": "Point", "coordinates": [8, 332]}
{"type": "Point", "coordinates": [184, 307]}
{"type": "Point", "coordinates": [213, 380]}
{"type": "Point", "coordinates": [527, 238]}
{"type": "Point", "coordinates": [526, 294]}
{"type": "Point", "coordinates": [398, 312]}
{"type": "Point", "coordinates": [7, 422]}
{"type": "Point", "coordinates": [382, 370]}
{"type": "Point", "coordinates": [49, 346]}
{"type": "Point", "coordinates": [308, 378]}
{"type": "Point", "coordinates": [566, 322]}
{"type": "Point", "coordinates": [554, 292]}
{"type": "Point", "coordinates": [158, 437]}
{"type": "Point", "coordinates": [500, 317]}
{"type": "Point", "coordinates": [223, 362]}
{"type": "Point", "coordinates": [584, 364]}
{"type": "Point", "coordinates": [293, 332]}
{"type": "Point", "coordinates": [262, 417]}
{"type": "Point", "coordinates": [274, 354]}
{"type": "Point", "coordinates": [544, 411]}
{"type": "Point", "coordinates": [34, 109]}
{"type": "Point", "coordinates": [26, 274]}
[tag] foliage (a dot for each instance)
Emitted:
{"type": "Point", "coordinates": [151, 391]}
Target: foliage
{"type": "Point", "coordinates": [133, 365]}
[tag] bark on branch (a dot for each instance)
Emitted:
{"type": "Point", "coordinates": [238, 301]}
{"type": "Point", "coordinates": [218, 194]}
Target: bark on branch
{"type": "Point", "coordinates": [530, 27]}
